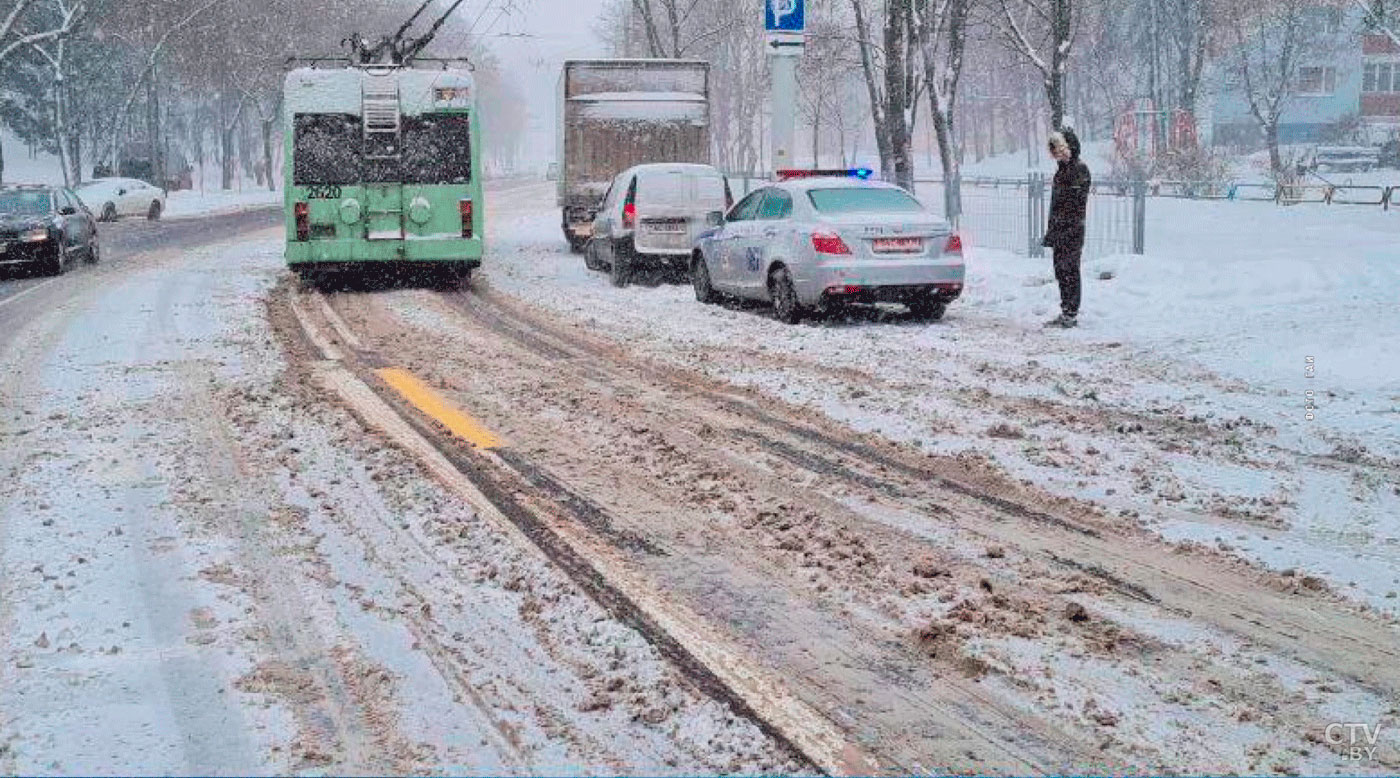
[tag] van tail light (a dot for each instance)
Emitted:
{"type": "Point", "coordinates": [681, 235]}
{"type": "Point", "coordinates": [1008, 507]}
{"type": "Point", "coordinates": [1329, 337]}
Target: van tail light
{"type": "Point", "coordinates": [954, 245]}
{"type": "Point", "coordinates": [464, 207]}
{"type": "Point", "coordinates": [629, 216]}
{"type": "Point", "coordinates": [302, 212]}
{"type": "Point", "coordinates": [829, 243]}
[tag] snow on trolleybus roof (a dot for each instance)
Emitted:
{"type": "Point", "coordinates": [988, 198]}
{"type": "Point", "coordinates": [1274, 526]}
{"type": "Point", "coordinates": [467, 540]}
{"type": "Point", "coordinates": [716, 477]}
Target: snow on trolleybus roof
{"type": "Point", "coordinates": [339, 90]}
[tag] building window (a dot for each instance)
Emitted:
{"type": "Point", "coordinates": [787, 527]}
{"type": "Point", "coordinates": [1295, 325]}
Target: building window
{"type": "Point", "coordinates": [1381, 77]}
{"type": "Point", "coordinates": [1317, 80]}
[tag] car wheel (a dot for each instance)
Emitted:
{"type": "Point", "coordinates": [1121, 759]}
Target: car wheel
{"type": "Point", "coordinates": [700, 280]}
{"type": "Point", "coordinates": [621, 271]}
{"type": "Point", "coordinates": [109, 213]}
{"type": "Point", "coordinates": [94, 252]}
{"type": "Point", "coordinates": [153, 213]}
{"type": "Point", "coordinates": [590, 256]}
{"type": "Point", "coordinates": [927, 308]}
{"type": "Point", "coordinates": [784, 296]}
{"type": "Point", "coordinates": [58, 263]}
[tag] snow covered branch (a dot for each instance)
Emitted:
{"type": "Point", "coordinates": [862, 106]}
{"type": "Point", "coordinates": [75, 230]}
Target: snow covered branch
{"type": "Point", "coordinates": [12, 39]}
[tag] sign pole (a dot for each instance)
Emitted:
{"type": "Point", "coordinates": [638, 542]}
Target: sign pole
{"type": "Point", "coordinates": [783, 70]}
{"type": "Point", "coordinates": [785, 22]}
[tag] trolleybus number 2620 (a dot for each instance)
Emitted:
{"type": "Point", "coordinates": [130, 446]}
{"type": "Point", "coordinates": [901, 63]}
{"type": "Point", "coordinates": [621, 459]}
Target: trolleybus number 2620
{"type": "Point", "coordinates": [323, 192]}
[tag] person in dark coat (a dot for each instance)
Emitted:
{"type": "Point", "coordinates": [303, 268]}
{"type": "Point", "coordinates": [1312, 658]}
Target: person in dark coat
{"type": "Point", "coordinates": [1069, 201]}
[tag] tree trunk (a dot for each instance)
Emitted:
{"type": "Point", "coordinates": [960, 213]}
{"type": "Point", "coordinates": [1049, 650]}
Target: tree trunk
{"type": "Point", "coordinates": [946, 157]}
{"type": "Point", "coordinates": [899, 167]}
{"type": "Point", "coordinates": [153, 130]}
{"type": "Point", "coordinates": [267, 153]}
{"type": "Point", "coordinates": [1054, 94]}
{"type": "Point", "coordinates": [75, 154]}
{"type": "Point", "coordinates": [226, 157]}
{"type": "Point", "coordinates": [1271, 138]}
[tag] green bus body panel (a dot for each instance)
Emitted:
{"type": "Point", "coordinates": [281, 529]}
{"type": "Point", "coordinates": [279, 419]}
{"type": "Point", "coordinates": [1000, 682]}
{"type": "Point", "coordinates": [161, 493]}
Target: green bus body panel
{"type": "Point", "coordinates": [383, 206]}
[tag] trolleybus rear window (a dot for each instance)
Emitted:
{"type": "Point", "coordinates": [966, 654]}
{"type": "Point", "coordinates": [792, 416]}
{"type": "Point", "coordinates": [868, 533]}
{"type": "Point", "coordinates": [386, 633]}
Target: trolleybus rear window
{"type": "Point", "coordinates": [326, 149]}
{"type": "Point", "coordinates": [330, 149]}
{"type": "Point", "coordinates": [437, 149]}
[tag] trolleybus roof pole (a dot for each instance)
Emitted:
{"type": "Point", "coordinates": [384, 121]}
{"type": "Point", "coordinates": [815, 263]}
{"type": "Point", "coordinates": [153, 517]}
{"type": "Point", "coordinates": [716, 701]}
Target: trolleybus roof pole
{"type": "Point", "coordinates": [412, 49]}
{"type": "Point", "coordinates": [404, 28]}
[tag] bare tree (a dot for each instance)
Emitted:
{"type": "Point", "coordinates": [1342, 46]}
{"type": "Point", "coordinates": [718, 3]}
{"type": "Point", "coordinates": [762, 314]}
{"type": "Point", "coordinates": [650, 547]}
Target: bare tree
{"type": "Point", "coordinates": [33, 23]}
{"type": "Point", "coordinates": [1383, 16]}
{"type": "Point", "coordinates": [154, 49]}
{"type": "Point", "coordinates": [825, 75]}
{"type": "Point", "coordinates": [676, 29]}
{"type": "Point", "coordinates": [16, 30]}
{"type": "Point", "coordinates": [1192, 38]}
{"type": "Point", "coordinates": [1043, 33]}
{"type": "Point", "coordinates": [893, 82]}
{"type": "Point", "coordinates": [1271, 40]}
{"type": "Point", "coordinates": [941, 27]}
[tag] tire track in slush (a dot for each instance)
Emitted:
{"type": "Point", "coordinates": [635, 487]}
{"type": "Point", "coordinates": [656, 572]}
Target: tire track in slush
{"type": "Point", "coordinates": [497, 490]}
{"type": "Point", "coordinates": [1345, 645]}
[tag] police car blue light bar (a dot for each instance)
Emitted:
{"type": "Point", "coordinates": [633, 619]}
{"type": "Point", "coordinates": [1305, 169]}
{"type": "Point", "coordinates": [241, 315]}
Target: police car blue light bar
{"type": "Point", "coordinates": [788, 174]}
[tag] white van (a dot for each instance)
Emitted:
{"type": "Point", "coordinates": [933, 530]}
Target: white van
{"type": "Point", "coordinates": [653, 214]}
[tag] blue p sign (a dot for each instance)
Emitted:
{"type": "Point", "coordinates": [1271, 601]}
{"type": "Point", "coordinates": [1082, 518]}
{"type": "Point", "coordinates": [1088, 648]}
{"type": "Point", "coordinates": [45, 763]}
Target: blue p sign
{"type": "Point", "coordinates": [784, 15]}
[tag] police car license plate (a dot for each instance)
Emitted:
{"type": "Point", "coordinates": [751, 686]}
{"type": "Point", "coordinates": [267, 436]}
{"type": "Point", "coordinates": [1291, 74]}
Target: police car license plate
{"type": "Point", "coordinates": [898, 245]}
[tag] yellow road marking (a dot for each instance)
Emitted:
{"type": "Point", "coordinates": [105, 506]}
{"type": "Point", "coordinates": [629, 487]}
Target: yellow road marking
{"type": "Point", "coordinates": [438, 408]}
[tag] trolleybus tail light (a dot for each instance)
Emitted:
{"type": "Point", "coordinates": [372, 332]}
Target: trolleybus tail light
{"type": "Point", "coordinates": [464, 207]}
{"type": "Point", "coordinates": [829, 243]}
{"type": "Point", "coordinates": [629, 216]}
{"type": "Point", "coordinates": [954, 245]}
{"type": "Point", "coordinates": [302, 212]}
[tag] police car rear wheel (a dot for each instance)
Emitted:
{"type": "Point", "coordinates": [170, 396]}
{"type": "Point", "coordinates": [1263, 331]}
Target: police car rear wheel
{"type": "Point", "coordinates": [700, 280]}
{"type": "Point", "coordinates": [784, 294]}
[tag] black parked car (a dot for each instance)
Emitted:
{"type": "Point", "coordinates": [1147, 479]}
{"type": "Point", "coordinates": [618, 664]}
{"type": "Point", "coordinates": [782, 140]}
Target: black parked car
{"type": "Point", "coordinates": [45, 227]}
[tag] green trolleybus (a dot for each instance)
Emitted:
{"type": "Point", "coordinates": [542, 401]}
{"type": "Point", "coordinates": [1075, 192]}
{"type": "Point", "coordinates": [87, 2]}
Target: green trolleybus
{"type": "Point", "coordinates": [382, 168]}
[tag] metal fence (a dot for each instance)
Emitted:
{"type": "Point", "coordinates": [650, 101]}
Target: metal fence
{"type": "Point", "coordinates": [1011, 213]}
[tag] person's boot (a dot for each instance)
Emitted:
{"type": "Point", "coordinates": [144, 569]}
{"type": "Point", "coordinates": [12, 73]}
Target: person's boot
{"type": "Point", "coordinates": [1063, 320]}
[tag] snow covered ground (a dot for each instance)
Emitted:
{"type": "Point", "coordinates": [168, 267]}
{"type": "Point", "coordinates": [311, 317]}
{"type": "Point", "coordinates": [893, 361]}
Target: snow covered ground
{"type": "Point", "coordinates": [194, 203]}
{"type": "Point", "coordinates": [1179, 402]}
{"type": "Point", "coordinates": [44, 168]}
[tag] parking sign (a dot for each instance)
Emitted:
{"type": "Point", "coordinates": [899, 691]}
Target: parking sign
{"type": "Point", "coordinates": [784, 15]}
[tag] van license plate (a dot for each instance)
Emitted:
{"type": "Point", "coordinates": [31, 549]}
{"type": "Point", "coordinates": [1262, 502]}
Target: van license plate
{"type": "Point", "coordinates": [667, 228]}
{"type": "Point", "coordinates": [899, 245]}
